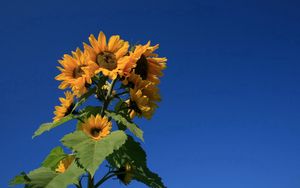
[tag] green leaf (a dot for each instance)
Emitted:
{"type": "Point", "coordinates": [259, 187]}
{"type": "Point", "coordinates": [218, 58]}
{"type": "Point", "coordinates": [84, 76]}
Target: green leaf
{"type": "Point", "coordinates": [48, 126]}
{"type": "Point", "coordinates": [70, 176]}
{"type": "Point", "coordinates": [46, 178]}
{"type": "Point", "coordinates": [91, 153]}
{"type": "Point", "coordinates": [56, 155]}
{"type": "Point", "coordinates": [144, 175]}
{"type": "Point", "coordinates": [19, 179]}
{"type": "Point", "coordinates": [132, 152]}
{"type": "Point", "coordinates": [130, 125]}
{"type": "Point", "coordinates": [40, 177]}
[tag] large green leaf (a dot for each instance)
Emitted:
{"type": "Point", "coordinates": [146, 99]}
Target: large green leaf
{"type": "Point", "coordinates": [132, 152]}
{"type": "Point", "coordinates": [130, 125]}
{"type": "Point", "coordinates": [48, 126]}
{"type": "Point", "coordinates": [46, 178]}
{"type": "Point", "coordinates": [92, 153]}
{"type": "Point", "coordinates": [56, 155]}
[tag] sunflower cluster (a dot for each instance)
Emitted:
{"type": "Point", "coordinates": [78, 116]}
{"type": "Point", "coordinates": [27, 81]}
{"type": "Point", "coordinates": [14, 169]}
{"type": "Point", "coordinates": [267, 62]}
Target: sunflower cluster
{"type": "Point", "coordinates": [138, 70]}
{"type": "Point", "coordinates": [124, 80]}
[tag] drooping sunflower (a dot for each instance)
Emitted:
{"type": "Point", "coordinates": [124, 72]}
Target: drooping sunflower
{"type": "Point", "coordinates": [139, 104]}
{"type": "Point", "coordinates": [96, 127]}
{"type": "Point", "coordinates": [76, 72]}
{"type": "Point", "coordinates": [145, 63]}
{"type": "Point", "coordinates": [143, 98]}
{"type": "Point", "coordinates": [64, 164]}
{"type": "Point", "coordinates": [149, 88]}
{"type": "Point", "coordinates": [126, 173]}
{"type": "Point", "coordinates": [65, 108]}
{"type": "Point", "coordinates": [107, 56]}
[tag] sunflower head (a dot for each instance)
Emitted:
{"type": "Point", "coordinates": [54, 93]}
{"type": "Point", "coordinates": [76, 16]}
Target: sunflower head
{"type": "Point", "coordinates": [126, 173]}
{"type": "Point", "coordinates": [65, 108]}
{"type": "Point", "coordinates": [64, 164]}
{"type": "Point", "coordinates": [96, 127]}
{"type": "Point", "coordinates": [145, 63]}
{"type": "Point", "coordinates": [106, 56]}
{"type": "Point", "coordinates": [76, 72]}
{"type": "Point", "coordinates": [140, 104]}
{"type": "Point", "coordinates": [143, 95]}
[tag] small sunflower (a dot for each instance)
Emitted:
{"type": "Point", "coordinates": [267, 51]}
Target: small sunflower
{"type": "Point", "coordinates": [126, 173]}
{"type": "Point", "coordinates": [145, 63]}
{"type": "Point", "coordinates": [65, 107]}
{"type": "Point", "coordinates": [76, 72]}
{"type": "Point", "coordinates": [64, 164]}
{"type": "Point", "coordinates": [138, 104]}
{"type": "Point", "coordinates": [107, 56]}
{"type": "Point", "coordinates": [148, 88]}
{"type": "Point", "coordinates": [96, 127]}
{"type": "Point", "coordinates": [142, 99]}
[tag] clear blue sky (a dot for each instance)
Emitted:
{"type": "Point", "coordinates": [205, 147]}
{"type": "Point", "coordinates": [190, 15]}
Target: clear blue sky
{"type": "Point", "coordinates": [230, 115]}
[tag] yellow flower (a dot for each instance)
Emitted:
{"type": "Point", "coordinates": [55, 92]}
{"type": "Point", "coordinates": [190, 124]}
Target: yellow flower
{"type": "Point", "coordinates": [65, 107]}
{"type": "Point", "coordinates": [145, 63]}
{"type": "Point", "coordinates": [142, 98]}
{"type": "Point", "coordinates": [96, 127]}
{"type": "Point", "coordinates": [64, 164]}
{"type": "Point", "coordinates": [126, 173]}
{"type": "Point", "coordinates": [76, 72]}
{"type": "Point", "coordinates": [107, 56]}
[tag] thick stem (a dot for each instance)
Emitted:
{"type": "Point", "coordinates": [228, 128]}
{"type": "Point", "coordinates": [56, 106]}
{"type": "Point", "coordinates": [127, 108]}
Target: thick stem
{"type": "Point", "coordinates": [90, 181]}
{"type": "Point", "coordinates": [105, 106]}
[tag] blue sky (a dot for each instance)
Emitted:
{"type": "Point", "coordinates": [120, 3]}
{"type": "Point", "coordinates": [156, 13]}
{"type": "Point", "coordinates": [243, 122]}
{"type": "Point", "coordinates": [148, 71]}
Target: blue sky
{"type": "Point", "coordinates": [230, 111]}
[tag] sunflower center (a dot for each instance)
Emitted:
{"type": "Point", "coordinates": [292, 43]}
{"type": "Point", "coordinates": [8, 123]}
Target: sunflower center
{"type": "Point", "coordinates": [107, 60]}
{"type": "Point", "coordinates": [95, 132]}
{"type": "Point", "coordinates": [142, 67]}
{"type": "Point", "coordinates": [78, 72]}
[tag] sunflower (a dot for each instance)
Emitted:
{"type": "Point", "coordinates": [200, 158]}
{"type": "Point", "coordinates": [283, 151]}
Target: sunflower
{"type": "Point", "coordinates": [138, 104]}
{"type": "Point", "coordinates": [149, 89]}
{"type": "Point", "coordinates": [145, 63]}
{"type": "Point", "coordinates": [107, 56]}
{"type": "Point", "coordinates": [76, 72]}
{"type": "Point", "coordinates": [126, 173]}
{"type": "Point", "coordinates": [64, 164]}
{"type": "Point", "coordinates": [65, 108]}
{"type": "Point", "coordinates": [96, 127]}
{"type": "Point", "coordinates": [142, 99]}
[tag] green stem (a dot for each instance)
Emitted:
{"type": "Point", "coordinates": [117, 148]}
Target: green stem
{"type": "Point", "coordinates": [103, 180]}
{"type": "Point", "coordinates": [108, 97]}
{"type": "Point", "coordinates": [90, 181]}
{"type": "Point", "coordinates": [122, 93]}
{"type": "Point", "coordinates": [107, 177]}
